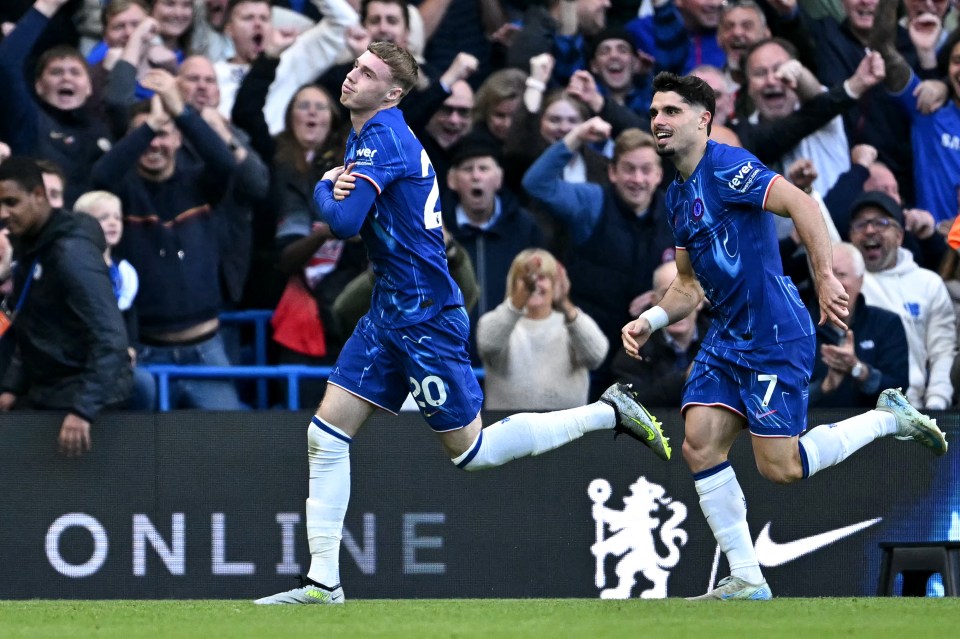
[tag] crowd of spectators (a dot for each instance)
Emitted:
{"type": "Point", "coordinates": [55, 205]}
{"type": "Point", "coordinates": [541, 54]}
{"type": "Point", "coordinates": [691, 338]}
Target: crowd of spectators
{"type": "Point", "coordinates": [194, 131]}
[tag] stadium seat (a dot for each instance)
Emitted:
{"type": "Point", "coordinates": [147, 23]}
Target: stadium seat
{"type": "Point", "coordinates": [917, 561]}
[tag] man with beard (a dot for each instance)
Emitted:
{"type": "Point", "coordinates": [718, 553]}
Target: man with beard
{"type": "Point", "coordinates": [414, 338]}
{"type": "Point", "coordinates": [920, 236]}
{"type": "Point", "coordinates": [197, 84]}
{"type": "Point", "coordinates": [170, 235]}
{"type": "Point", "coordinates": [894, 281]}
{"type": "Point", "coordinates": [57, 124]}
{"type": "Point", "coordinates": [753, 368]}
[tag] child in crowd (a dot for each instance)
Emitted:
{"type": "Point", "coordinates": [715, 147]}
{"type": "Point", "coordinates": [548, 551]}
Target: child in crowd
{"type": "Point", "coordinates": [105, 208]}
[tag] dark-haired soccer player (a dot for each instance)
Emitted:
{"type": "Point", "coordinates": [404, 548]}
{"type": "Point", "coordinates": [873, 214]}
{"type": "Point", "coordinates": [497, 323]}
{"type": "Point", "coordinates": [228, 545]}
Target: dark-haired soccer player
{"type": "Point", "coordinates": [415, 337]}
{"type": "Point", "coordinates": [754, 365]}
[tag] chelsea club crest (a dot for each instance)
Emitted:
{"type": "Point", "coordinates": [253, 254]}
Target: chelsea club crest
{"type": "Point", "coordinates": [697, 210]}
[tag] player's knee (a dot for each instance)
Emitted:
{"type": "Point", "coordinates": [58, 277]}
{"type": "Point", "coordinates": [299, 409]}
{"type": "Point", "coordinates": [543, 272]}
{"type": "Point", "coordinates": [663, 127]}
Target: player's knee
{"type": "Point", "coordinates": [475, 458]}
{"type": "Point", "coordinates": [473, 465]}
{"type": "Point", "coordinates": [698, 457]}
{"type": "Point", "coordinates": [779, 473]}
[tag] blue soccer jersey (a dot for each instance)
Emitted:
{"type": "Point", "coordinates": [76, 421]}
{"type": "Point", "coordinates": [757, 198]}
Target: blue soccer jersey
{"type": "Point", "coordinates": [936, 153]}
{"type": "Point", "coordinates": [718, 217]}
{"type": "Point", "coordinates": [402, 230]}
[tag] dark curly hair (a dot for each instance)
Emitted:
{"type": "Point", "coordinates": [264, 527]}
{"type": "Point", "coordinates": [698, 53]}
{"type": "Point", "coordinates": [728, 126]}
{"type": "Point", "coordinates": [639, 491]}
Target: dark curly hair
{"type": "Point", "coordinates": [692, 89]}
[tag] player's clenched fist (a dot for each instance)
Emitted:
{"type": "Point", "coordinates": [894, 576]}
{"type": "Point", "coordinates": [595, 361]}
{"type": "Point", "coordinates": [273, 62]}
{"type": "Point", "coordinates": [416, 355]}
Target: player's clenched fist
{"type": "Point", "coordinates": [344, 183]}
{"type": "Point", "coordinates": [634, 335]}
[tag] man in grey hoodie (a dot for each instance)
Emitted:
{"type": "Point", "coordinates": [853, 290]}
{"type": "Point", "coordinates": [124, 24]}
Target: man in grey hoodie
{"type": "Point", "coordinates": [894, 281]}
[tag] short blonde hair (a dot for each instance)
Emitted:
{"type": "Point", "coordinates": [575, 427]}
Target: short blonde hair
{"type": "Point", "coordinates": [548, 267]}
{"type": "Point", "coordinates": [89, 200]}
{"type": "Point", "coordinates": [403, 66]}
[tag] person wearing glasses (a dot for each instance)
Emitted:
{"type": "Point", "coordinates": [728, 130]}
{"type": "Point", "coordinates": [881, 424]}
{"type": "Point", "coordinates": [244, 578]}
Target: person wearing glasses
{"type": "Point", "coordinates": [449, 124]}
{"type": "Point", "coordinates": [894, 281]}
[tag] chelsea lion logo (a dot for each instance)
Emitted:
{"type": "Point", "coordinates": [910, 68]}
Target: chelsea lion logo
{"type": "Point", "coordinates": [631, 535]}
{"type": "Point", "coordinates": [697, 210]}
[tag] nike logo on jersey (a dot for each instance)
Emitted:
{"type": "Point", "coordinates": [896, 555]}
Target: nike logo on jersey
{"type": "Point", "coordinates": [771, 553]}
{"type": "Point", "coordinates": [762, 415]}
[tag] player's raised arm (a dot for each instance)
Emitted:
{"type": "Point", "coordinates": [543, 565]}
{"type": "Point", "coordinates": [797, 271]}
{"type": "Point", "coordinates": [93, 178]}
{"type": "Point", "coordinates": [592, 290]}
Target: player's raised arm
{"type": "Point", "coordinates": [683, 296]}
{"type": "Point", "coordinates": [787, 200]}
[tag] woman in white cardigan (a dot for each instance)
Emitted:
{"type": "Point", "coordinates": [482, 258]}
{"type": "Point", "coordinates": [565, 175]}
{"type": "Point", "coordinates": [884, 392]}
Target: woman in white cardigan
{"type": "Point", "coordinates": [538, 348]}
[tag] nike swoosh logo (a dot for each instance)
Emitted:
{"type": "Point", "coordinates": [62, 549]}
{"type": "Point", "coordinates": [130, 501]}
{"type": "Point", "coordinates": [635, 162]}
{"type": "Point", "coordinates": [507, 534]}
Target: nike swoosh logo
{"type": "Point", "coordinates": [647, 429]}
{"type": "Point", "coordinates": [771, 553]}
{"type": "Point", "coordinates": [762, 415]}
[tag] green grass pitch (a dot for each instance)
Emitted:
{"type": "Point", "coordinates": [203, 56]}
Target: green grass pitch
{"type": "Point", "coordinates": [486, 618]}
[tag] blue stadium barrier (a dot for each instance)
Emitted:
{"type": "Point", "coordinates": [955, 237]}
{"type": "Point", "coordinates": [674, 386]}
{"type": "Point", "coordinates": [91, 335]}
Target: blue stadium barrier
{"type": "Point", "coordinates": [164, 373]}
{"type": "Point", "coordinates": [260, 320]}
{"type": "Point", "coordinates": [260, 371]}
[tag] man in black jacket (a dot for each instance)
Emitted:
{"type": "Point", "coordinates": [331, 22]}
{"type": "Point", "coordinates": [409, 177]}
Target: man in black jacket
{"type": "Point", "coordinates": [487, 220]}
{"type": "Point", "coordinates": [619, 233]}
{"type": "Point", "coordinates": [171, 236]}
{"type": "Point", "coordinates": [71, 343]}
{"type": "Point", "coordinates": [853, 367]}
